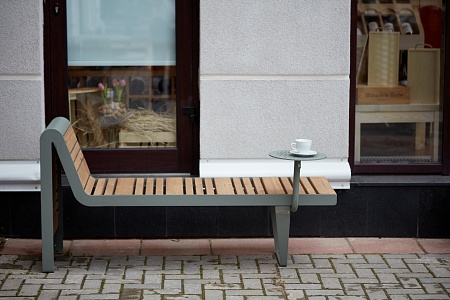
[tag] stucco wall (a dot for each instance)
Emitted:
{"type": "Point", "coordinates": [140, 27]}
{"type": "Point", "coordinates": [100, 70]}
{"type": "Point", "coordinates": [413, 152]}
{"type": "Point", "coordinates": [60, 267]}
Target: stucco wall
{"type": "Point", "coordinates": [21, 79]}
{"type": "Point", "coordinates": [272, 71]}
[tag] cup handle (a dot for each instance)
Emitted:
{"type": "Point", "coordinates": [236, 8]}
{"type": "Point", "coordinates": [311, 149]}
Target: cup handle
{"type": "Point", "coordinates": [293, 146]}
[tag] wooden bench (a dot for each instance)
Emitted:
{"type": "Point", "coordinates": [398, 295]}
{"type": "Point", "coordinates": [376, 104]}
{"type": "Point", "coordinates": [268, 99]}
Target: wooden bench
{"type": "Point", "coordinates": [59, 140]}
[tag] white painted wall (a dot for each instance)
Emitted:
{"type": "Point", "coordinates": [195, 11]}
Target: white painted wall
{"type": "Point", "coordinates": [272, 71]}
{"type": "Point", "coordinates": [21, 79]}
{"type": "Point", "coordinates": [21, 93]}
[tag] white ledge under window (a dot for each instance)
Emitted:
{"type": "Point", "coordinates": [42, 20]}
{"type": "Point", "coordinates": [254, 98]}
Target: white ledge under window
{"type": "Point", "coordinates": [25, 175]}
{"type": "Point", "coordinates": [20, 176]}
{"type": "Point", "coordinates": [337, 171]}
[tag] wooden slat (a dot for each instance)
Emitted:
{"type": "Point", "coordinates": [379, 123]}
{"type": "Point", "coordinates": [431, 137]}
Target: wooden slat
{"type": "Point", "coordinates": [110, 186]}
{"type": "Point", "coordinates": [75, 151]}
{"type": "Point", "coordinates": [188, 186]}
{"type": "Point", "coordinates": [139, 186]}
{"type": "Point", "coordinates": [272, 185]}
{"type": "Point", "coordinates": [224, 186]}
{"type": "Point", "coordinates": [125, 186]}
{"type": "Point", "coordinates": [239, 189]}
{"type": "Point", "coordinates": [159, 186]}
{"type": "Point", "coordinates": [248, 186]}
{"type": "Point", "coordinates": [199, 186]}
{"type": "Point", "coordinates": [174, 186]}
{"type": "Point", "coordinates": [149, 186]}
{"type": "Point", "coordinates": [83, 173]}
{"type": "Point", "coordinates": [209, 186]}
{"type": "Point", "coordinates": [307, 185]}
{"type": "Point", "coordinates": [301, 190]}
{"type": "Point", "coordinates": [258, 187]}
{"type": "Point", "coordinates": [328, 186]}
{"type": "Point", "coordinates": [321, 185]}
{"type": "Point", "coordinates": [78, 159]}
{"type": "Point", "coordinates": [100, 187]}
{"type": "Point", "coordinates": [90, 185]}
{"type": "Point", "coordinates": [287, 185]}
{"type": "Point", "coordinates": [70, 138]}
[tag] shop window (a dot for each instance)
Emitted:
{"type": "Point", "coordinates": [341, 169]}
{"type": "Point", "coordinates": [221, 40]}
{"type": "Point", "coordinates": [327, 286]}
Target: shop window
{"type": "Point", "coordinates": [399, 83]}
{"type": "Point", "coordinates": [122, 73]}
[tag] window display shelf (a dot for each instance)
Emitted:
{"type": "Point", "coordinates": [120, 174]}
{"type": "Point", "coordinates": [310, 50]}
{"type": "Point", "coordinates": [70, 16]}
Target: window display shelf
{"type": "Point", "coordinates": [420, 114]}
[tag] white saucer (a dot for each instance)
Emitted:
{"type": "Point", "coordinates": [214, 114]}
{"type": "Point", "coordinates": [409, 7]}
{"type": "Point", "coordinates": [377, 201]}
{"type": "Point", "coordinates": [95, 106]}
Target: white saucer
{"type": "Point", "coordinates": [305, 153]}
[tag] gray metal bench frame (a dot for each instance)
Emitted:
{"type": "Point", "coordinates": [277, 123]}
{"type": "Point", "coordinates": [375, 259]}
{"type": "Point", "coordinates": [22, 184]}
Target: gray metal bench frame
{"type": "Point", "coordinates": [51, 202]}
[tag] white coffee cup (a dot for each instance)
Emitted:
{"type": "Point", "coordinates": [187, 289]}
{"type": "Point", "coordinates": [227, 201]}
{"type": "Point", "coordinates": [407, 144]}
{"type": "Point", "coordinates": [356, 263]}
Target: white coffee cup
{"type": "Point", "coordinates": [301, 145]}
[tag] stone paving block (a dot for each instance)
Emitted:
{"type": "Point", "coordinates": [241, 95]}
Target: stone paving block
{"type": "Point", "coordinates": [231, 278]}
{"type": "Point", "coordinates": [111, 288]}
{"type": "Point", "coordinates": [214, 294]}
{"type": "Point", "coordinates": [153, 279]}
{"type": "Point", "coordinates": [374, 258]}
{"type": "Point", "coordinates": [321, 292]}
{"type": "Point", "coordinates": [228, 259]}
{"type": "Point", "coordinates": [400, 291]}
{"type": "Point", "coordinates": [365, 273]}
{"type": "Point", "coordinates": [288, 273]}
{"type": "Point", "coordinates": [388, 278]}
{"type": "Point", "coordinates": [92, 284]}
{"type": "Point", "coordinates": [343, 268]}
{"type": "Point", "coordinates": [191, 287]}
{"type": "Point", "coordinates": [321, 263]}
{"type": "Point", "coordinates": [396, 263]}
{"type": "Point", "coordinates": [132, 273]}
{"type": "Point", "coordinates": [409, 283]}
{"type": "Point", "coordinates": [430, 297]}
{"type": "Point", "coordinates": [11, 293]}
{"type": "Point", "coordinates": [29, 290]}
{"type": "Point", "coordinates": [434, 288]}
{"type": "Point", "coordinates": [309, 278]}
{"type": "Point", "coordinates": [48, 295]}
{"type": "Point", "coordinates": [232, 292]}
{"type": "Point", "coordinates": [301, 259]}
{"type": "Point", "coordinates": [151, 297]}
{"type": "Point", "coordinates": [417, 268]}
{"type": "Point", "coordinates": [252, 283]}
{"type": "Point", "coordinates": [172, 284]}
{"type": "Point", "coordinates": [71, 292]}
{"type": "Point", "coordinates": [130, 294]}
{"type": "Point", "coordinates": [354, 289]}
{"type": "Point", "coordinates": [11, 284]}
{"type": "Point", "coordinates": [376, 294]}
{"type": "Point", "coordinates": [303, 286]}
{"type": "Point", "coordinates": [331, 283]}
{"type": "Point", "coordinates": [68, 297]}
{"type": "Point", "coordinates": [211, 274]}
{"type": "Point", "coordinates": [172, 265]}
{"type": "Point", "coordinates": [154, 260]}
{"type": "Point", "coordinates": [295, 294]}
{"type": "Point", "coordinates": [92, 297]}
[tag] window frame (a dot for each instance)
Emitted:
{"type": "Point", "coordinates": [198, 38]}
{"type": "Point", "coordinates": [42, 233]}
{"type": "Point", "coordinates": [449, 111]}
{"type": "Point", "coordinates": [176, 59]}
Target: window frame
{"type": "Point", "coordinates": [443, 167]}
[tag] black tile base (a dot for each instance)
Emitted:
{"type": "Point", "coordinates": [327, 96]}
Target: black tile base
{"type": "Point", "coordinates": [363, 211]}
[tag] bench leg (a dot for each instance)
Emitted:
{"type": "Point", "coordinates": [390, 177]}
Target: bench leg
{"type": "Point", "coordinates": [280, 223]}
{"type": "Point", "coordinates": [47, 208]}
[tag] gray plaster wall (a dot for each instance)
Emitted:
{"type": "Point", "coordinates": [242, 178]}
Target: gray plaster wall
{"type": "Point", "coordinates": [21, 79]}
{"type": "Point", "coordinates": [272, 71]}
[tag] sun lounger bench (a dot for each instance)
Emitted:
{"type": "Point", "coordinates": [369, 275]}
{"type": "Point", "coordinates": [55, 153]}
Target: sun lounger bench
{"type": "Point", "coordinates": [59, 140]}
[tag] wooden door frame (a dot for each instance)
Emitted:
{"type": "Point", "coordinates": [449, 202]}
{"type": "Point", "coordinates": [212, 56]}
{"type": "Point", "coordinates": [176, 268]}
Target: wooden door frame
{"type": "Point", "coordinates": [184, 159]}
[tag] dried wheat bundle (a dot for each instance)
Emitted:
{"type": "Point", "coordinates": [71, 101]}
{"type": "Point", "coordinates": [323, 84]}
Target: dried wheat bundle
{"type": "Point", "coordinates": [144, 122]}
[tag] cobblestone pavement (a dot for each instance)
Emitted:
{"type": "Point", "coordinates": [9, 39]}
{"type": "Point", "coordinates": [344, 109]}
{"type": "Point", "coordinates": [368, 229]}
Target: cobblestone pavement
{"type": "Point", "coordinates": [344, 276]}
